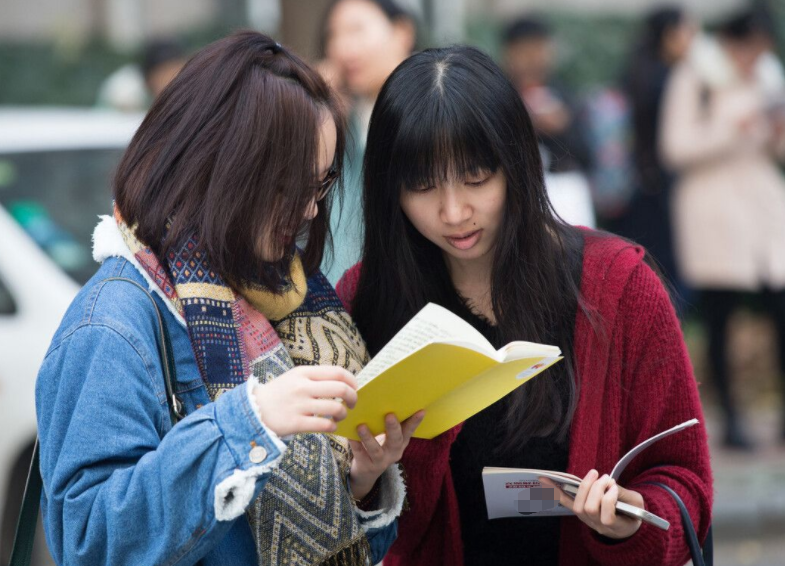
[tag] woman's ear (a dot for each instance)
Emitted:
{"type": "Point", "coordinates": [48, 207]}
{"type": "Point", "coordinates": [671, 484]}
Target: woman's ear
{"type": "Point", "coordinates": [405, 35]}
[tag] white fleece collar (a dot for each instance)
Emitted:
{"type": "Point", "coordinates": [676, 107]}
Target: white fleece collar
{"type": "Point", "coordinates": [108, 242]}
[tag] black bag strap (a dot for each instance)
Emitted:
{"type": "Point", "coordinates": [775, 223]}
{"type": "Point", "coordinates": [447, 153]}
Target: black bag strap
{"type": "Point", "coordinates": [22, 550]}
{"type": "Point", "coordinates": [700, 556]}
{"type": "Point", "coordinates": [165, 353]}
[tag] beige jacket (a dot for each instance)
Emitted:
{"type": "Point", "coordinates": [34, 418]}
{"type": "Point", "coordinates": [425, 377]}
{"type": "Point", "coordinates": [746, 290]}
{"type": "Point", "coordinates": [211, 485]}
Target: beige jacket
{"type": "Point", "coordinates": [729, 203]}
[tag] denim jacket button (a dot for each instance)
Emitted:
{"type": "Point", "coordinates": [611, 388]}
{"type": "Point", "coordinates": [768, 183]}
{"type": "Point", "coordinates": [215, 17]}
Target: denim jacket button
{"type": "Point", "coordinates": [257, 454]}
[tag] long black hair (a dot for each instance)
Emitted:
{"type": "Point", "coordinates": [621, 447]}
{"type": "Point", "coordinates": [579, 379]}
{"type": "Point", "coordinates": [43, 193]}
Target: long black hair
{"type": "Point", "coordinates": [656, 26]}
{"type": "Point", "coordinates": [448, 113]}
{"type": "Point", "coordinates": [644, 80]}
{"type": "Point", "coordinates": [753, 20]}
{"type": "Point", "coordinates": [647, 55]}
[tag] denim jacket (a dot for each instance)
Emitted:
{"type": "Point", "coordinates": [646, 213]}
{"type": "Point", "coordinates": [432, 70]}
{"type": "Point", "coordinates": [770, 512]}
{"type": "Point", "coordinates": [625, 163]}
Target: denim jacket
{"type": "Point", "coordinates": [121, 486]}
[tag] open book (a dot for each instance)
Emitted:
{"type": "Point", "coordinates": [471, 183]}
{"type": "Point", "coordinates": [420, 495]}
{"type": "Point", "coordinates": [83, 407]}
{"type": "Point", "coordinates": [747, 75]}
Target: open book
{"type": "Point", "coordinates": [515, 492]}
{"type": "Point", "coordinates": [440, 363]}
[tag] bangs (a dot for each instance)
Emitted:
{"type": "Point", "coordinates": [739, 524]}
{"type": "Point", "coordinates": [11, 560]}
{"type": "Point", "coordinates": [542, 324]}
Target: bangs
{"type": "Point", "coordinates": [438, 141]}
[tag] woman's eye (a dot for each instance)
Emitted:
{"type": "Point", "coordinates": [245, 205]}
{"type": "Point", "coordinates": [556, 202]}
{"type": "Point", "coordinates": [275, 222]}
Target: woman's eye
{"type": "Point", "coordinates": [477, 182]}
{"type": "Point", "coordinates": [424, 188]}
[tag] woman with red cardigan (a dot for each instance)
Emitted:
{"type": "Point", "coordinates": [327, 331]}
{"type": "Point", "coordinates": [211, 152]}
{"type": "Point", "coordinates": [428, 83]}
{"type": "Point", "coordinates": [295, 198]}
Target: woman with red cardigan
{"type": "Point", "coordinates": [456, 214]}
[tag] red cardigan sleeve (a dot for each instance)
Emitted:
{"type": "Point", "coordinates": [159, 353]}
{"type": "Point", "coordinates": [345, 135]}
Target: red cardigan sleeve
{"type": "Point", "coordinates": [346, 287]}
{"type": "Point", "coordinates": [657, 391]}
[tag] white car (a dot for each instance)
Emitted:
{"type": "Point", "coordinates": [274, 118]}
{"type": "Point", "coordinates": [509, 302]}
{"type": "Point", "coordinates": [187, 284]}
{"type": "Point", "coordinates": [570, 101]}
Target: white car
{"type": "Point", "coordinates": [56, 168]}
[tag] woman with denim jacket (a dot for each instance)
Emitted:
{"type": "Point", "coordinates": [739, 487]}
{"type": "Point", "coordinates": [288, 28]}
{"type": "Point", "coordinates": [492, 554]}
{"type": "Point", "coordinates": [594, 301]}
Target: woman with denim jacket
{"type": "Point", "coordinates": [228, 170]}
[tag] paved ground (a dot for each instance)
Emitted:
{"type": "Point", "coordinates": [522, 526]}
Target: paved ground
{"type": "Point", "coordinates": [749, 505]}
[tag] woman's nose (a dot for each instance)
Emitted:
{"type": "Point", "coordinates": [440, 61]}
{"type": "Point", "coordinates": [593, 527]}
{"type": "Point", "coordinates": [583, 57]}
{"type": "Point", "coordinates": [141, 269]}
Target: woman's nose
{"type": "Point", "coordinates": [312, 210]}
{"type": "Point", "coordinates": [454, 208]}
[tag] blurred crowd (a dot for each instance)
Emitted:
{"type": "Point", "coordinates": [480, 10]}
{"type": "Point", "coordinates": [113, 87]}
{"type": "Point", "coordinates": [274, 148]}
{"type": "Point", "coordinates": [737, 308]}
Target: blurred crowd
{"type": "Point", "coordinates": [682, 155]}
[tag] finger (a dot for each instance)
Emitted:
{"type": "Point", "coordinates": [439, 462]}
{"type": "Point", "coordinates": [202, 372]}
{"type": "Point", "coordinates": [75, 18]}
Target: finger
{"type": "Point", "coordinates": [326, 408]}
{"type": "Point", "coordinates": [357, 447]}
{"type": "Point", "coordinates": [330, 373]}
{"type": "Point", "coordinates": [392, 427]}
{"type": "Point", "coordinates": [410, 425]}
{"type": "Point", "coordinates": [333, 389]}
{"type": "Point", "coordinates": [583, 491]}
{"type": "Point", "coordinates": [608, 505]}
{"type": "Point", "coordinates": [371, 445]}
{"type": "Point", "coordinates": [594, 499]}
{"type": "Point", "coordinates": [317, 424]}
{"type": "Point", "coordinates": [631, 497]}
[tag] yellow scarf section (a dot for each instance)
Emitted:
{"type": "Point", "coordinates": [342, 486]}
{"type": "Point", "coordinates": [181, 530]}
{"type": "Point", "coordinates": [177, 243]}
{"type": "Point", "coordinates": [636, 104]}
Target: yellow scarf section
{"type": "Point", "coordinates": [276, 306]}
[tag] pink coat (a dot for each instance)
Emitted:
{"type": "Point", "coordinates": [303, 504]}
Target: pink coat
{"type": "Point", "coordinates": [729, 202]}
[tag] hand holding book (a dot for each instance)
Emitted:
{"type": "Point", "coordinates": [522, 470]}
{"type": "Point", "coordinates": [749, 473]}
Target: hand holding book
{"type": "Point", "coordinates": [512, 492]}
{"type": "Point", "coordinates": [440, 363]}
{"type": "Point", "coordinates": [601, 503]}
{"type": "Point", "coordinates": [372, 455]}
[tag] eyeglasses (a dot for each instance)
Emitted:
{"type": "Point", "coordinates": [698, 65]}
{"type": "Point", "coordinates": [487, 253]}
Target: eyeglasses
{"type": "Point", "coordinates": [327, 183]}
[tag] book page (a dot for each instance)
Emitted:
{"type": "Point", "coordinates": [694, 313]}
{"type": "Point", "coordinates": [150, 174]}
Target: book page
{"type": "Point", "coordinates": [519, 493]}
{"type": "Point", "coordinates": [432, 324]}
{"type": "Point", "coordinates": [518, 350]}
{"type": "Point", "coordinates": [555, 476]}
{"type": "Point", "coordinates": [619, 467]}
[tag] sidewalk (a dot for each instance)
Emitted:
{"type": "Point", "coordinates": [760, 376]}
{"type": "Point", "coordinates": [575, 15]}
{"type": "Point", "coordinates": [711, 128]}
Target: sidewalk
{"type": "Point", "coordinates": [749, 488]}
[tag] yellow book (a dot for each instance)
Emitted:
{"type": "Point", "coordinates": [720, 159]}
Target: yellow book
{"type": "Point", "coordinates": [440, 363]}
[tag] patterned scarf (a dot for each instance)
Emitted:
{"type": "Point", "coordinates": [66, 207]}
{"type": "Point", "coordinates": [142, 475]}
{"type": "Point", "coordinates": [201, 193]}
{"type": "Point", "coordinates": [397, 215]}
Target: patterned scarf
{"type": "Point", "coordinates": [305, 514]}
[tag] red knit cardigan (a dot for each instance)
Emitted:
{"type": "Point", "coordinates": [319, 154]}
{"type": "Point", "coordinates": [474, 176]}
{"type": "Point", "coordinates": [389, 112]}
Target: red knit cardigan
{"type": "Point", "coordinates": [635, 380]}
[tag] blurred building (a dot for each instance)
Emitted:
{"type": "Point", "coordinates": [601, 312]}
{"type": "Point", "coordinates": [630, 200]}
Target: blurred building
{"type": "Point", "coordinates": [706, 8]}
{"type": "Point", "coordinates": [127, 23]}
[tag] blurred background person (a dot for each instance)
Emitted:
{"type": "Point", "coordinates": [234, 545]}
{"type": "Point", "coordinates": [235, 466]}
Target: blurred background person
{"type": "Point", "coordinates": [529, 56]}
{"type": "Point", "coordinates": [723, 132]}
{"type": "Point", "coordinates": [364, 40]}
{"type": "Point", "coordinates": [133, 87]}
{"type": "Point", "coordinates": [664, 40]}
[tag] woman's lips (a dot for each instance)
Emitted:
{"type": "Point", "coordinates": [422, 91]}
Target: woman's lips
{"type": "Point", "coordinates": [464, 241]}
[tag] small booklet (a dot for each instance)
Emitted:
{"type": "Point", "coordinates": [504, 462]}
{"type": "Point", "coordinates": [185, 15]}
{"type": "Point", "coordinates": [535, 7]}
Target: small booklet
{"type": "Point", "coordinates": [440, 363]}
{"type": "Point", "coordinates": [515, 492]}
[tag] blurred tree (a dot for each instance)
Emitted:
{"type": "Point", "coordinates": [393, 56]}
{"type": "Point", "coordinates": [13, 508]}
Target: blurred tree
{"type": "Point", "coordinates": [592, 51]}
{"type": "Point", "coordinates": [234, 13]}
